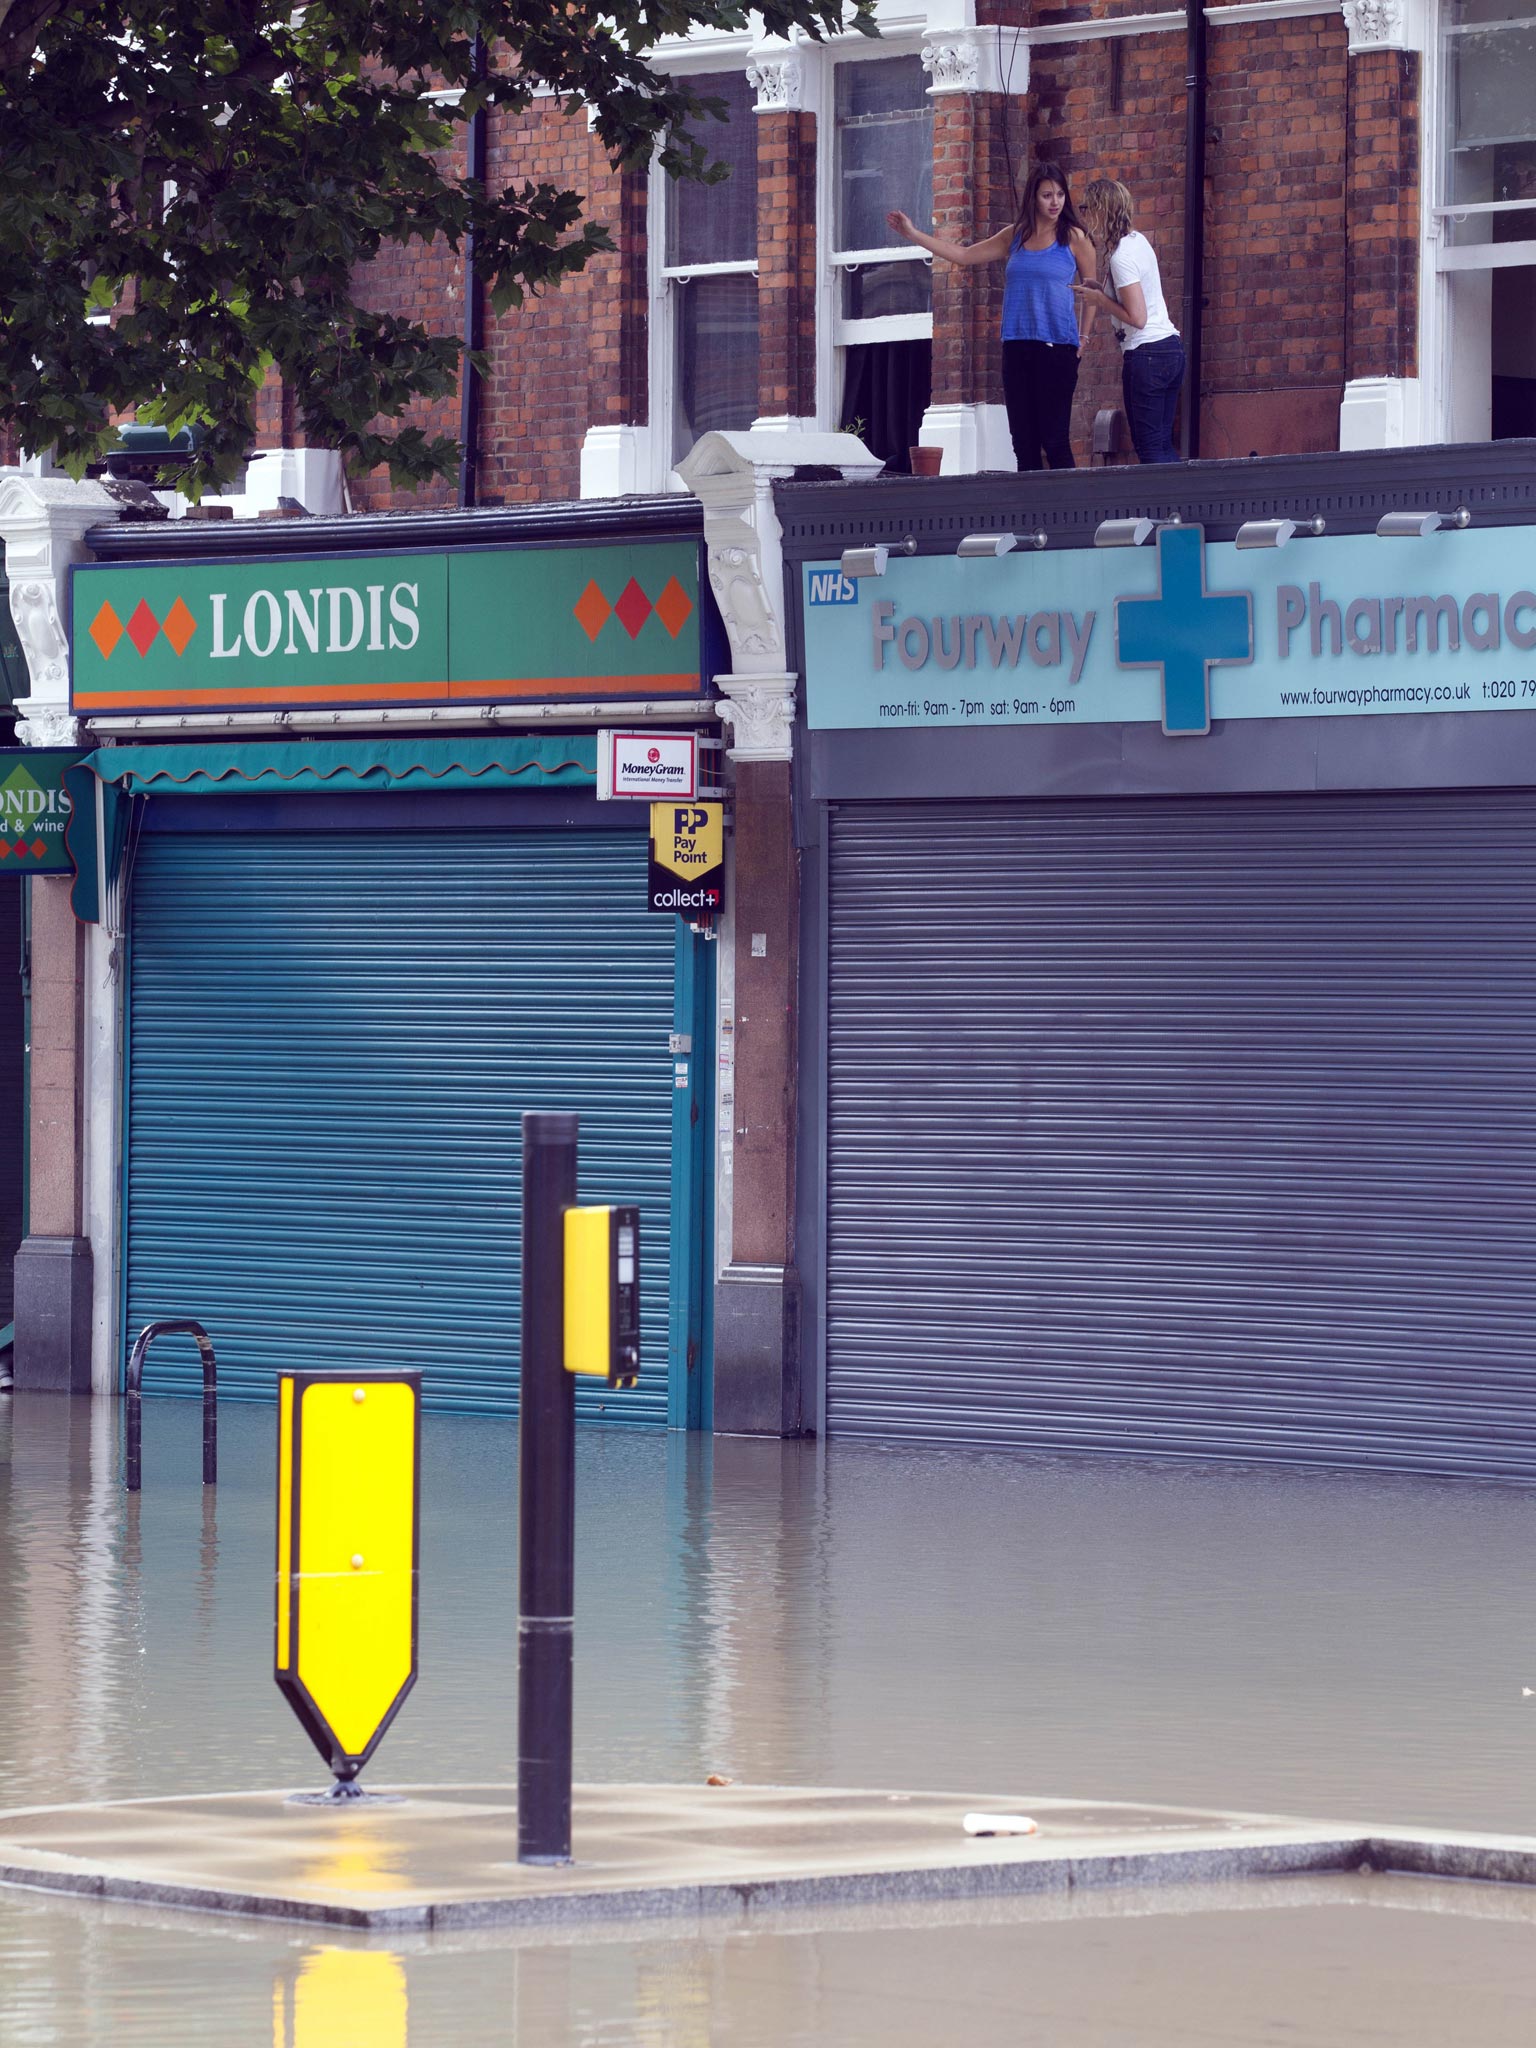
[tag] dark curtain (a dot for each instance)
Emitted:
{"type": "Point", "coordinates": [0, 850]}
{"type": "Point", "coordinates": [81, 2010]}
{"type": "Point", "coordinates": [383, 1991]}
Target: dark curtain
{"type": "Point", "coordinates": [886, 385]}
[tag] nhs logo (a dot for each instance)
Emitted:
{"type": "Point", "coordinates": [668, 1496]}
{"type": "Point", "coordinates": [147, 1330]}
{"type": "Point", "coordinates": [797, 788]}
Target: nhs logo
{"type": "Point", "coordinates": [831, 586]}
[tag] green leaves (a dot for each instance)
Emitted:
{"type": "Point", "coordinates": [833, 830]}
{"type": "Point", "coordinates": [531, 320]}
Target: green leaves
{"type": "Point", "coordinates": [192, 192]}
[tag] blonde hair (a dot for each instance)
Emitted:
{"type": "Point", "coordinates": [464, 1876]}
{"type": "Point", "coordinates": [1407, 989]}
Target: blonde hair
{"type": "Point", "coordinates": [1110, 209]}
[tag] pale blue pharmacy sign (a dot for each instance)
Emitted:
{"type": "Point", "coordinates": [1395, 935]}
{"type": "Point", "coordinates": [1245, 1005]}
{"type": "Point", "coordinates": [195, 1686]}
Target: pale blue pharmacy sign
{"type": "Point", "coordinates": [1178, 633]}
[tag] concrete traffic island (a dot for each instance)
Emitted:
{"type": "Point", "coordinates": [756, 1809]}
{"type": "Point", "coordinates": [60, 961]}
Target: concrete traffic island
{"type": "Point", "coordinates": [444, 1856]}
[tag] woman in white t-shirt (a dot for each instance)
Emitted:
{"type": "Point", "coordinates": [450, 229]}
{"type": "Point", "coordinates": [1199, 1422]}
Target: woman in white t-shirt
{"type": "Point", "coordinates": [1152, 355]}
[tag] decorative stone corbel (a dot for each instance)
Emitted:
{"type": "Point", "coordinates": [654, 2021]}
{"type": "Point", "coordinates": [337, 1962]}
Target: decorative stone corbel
{"type": "Point", "coordinates": [760, 710]}
{"type": "Point", "coordinates": [732, 475]}
{"type": "Point", "coordinates": [776, 73]}
{"type": "Point", "coordinates": [1385, 25]}
{"type": "Point", "coordinates": [43, 523]}
{"type": "Point", "coordinates": [976, 60]}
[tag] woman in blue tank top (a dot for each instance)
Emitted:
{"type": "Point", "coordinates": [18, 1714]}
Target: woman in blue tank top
{"type": "Point", "coordinates": [1047, 251]}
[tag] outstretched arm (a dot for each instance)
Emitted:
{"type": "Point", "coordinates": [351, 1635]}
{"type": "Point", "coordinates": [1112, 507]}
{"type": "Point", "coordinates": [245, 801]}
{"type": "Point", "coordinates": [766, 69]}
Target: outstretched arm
{"type": "Point", "coordinates": [1086, 258]}
{"type": "Point", "coordinates": [992, 250]}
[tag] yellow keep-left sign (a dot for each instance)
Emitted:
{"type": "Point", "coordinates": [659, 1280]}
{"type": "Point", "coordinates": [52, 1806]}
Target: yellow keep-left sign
{"type": "Point", "coordinates": [348, 1544]}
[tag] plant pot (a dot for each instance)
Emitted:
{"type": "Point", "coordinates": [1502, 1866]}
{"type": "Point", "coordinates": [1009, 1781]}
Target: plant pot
{"type": "Point", "coordinates": [926, 461]}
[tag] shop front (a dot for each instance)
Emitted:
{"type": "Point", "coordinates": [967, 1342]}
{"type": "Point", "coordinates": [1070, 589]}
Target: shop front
{"type": "Point", "coordinates": [342, 825]}
{"type": "Point", "coordinates": [1170, 929]}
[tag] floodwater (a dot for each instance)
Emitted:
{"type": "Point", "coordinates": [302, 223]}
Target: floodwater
{"type": "Point", "coordinates": [1319, 1644]}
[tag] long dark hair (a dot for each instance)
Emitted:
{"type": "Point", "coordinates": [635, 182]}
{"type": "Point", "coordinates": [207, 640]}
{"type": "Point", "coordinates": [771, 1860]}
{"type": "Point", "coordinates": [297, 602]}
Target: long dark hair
{"type": "Point", "coordinates": [1068, 219]}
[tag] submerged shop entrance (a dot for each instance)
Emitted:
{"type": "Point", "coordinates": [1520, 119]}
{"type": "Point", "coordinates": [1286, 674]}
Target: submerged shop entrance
{"type": "Point", "coordinates": [332, 1037]}
{"type": "Point", "coordinates": [1201, 1128]}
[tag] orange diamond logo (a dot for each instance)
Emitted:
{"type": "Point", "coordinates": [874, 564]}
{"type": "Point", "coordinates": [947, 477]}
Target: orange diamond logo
{"type": "Point", "coordinates": [106, 629]}
{"type": "Point", "coordinates": [143, 626]}
{"type": "Point", "coordinates": [674, 607]}
{"type": "Point", "coordinates": [592, 610]}
{"type": "Point", "coordinates": [179, 626]}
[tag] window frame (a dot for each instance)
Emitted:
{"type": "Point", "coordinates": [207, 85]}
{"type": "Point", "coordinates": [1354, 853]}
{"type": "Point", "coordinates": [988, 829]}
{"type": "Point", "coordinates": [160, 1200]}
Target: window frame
{"type": "Point", "coordinates": [663, 279]}
{"type": "Point", "coordinates": [834, 333]}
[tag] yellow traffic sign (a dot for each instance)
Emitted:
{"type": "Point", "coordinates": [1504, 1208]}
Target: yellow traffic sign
{"type": "Point", "coordinates": [348, 1544]}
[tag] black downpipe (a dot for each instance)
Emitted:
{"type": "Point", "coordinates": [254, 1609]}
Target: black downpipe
{"type": "Point", "coordinates": [474, 306]}
{"type": "Point", "coordinates": [1194, 221]}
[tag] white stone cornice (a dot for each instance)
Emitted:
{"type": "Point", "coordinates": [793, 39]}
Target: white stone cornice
{"type": "Point", "coordinates": [43, 523]}
{"type": "Point", "coordinates": [976, 60]}
{"type": "Point", "coordinates": [776, 73]}
{"type": "Point", "coordinates": [760, 710]}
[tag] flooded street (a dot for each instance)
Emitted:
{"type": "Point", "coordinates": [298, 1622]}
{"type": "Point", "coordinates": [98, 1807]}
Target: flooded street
{"type": "Point", "coordinates": [787, 1613]}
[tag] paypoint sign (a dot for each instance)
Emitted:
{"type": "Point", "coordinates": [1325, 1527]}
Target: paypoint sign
{"type": "Point", "coordinates": [687, 870]}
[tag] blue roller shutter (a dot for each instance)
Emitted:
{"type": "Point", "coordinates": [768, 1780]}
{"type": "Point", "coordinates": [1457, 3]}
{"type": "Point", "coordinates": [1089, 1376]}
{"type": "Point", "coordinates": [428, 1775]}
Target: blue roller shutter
{"type": "Point", "coordinates": [1198, 1128]}
{"type": "Point", "coordinates": [333, 1036]}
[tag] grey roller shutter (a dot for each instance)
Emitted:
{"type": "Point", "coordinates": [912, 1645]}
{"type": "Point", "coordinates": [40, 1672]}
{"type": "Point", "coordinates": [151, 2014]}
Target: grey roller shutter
{"type": "Point", "coordinates": [333, 1037]}
{"type": "Point", "coordinates": [1198, 1128]}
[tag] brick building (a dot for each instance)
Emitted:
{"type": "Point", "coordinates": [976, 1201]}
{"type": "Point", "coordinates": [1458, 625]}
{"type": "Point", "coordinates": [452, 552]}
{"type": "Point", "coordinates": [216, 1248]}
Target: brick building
{"type": "Point", "coordinates": [1368, 271]}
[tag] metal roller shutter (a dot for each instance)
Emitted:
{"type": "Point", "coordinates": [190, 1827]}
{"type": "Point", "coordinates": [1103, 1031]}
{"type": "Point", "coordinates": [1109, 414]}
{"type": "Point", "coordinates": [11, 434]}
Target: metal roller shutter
{"type": "Point", "coordinates": [333, 1037]}
{"type": "Point", "coordinates": [1198, 1128]}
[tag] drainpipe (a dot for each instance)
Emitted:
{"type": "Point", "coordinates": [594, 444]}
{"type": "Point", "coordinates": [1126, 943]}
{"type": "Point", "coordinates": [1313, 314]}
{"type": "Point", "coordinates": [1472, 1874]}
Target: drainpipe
{"type": "Point", "coordinates": [474, 305]}
{"type": "Point", "coordinates": [1194, 220]}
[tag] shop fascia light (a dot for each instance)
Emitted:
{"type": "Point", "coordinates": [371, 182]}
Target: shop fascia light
{"type": "Point", "coordinates": [1414, 525]}
{"type": "Point", "coordinates": [871, 561]}
{"type": "Point", "coordinates": [1123, 533]}
{"type": "Point", "coordinates": [1274, 533]}
{"type": "Point", "coordinates": [983, 544]}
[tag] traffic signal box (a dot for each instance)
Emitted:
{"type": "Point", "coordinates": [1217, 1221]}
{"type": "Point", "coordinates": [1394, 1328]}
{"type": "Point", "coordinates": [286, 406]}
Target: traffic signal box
{"type": "Point", "coordinates": [602, 1294]}
{"type": "Point", "coordinates": [348, 1552]}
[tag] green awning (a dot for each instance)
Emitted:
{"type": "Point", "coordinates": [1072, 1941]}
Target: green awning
{"type": "Point", "coordinates": [102, 786]}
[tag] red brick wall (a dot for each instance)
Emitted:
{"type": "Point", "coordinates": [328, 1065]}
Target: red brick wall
{"type": "Point", "coordinates": [1275, 275]}
{"type": "Point", "coordinates": [786, 273]}
{"type": "Point", "coordinates": [1381, 292]}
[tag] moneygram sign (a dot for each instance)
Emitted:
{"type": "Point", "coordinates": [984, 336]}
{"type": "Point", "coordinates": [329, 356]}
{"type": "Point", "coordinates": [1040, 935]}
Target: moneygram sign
{"type": "Point", "coordinates": [486, 625]}
{"type": "Point", "coordinates": [1180, 633]}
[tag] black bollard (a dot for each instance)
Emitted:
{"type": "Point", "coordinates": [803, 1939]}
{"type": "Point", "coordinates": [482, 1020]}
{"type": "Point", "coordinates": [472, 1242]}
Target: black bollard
{"type": "Point", "coordinates": [546, 1510]}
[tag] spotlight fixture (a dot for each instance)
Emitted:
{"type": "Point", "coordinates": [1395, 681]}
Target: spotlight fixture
{"type": "Point", "coordinates": [998, 543]}
{"type": "Point", "coordinates": [1122, 533]}
{"type": "Point", "coordinates": [1414, 525]}
{"type": "Point", "coordinates": [1265, 533]}
{"type": "Point", "coordinates": [871, 561]}
{"type": "Point", "coordinates": [1274, 533]}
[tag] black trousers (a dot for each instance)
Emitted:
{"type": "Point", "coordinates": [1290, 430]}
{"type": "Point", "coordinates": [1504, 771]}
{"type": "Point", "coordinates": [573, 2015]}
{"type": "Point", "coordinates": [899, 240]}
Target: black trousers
{"type": "Point", "coordinates": [1039, 378]}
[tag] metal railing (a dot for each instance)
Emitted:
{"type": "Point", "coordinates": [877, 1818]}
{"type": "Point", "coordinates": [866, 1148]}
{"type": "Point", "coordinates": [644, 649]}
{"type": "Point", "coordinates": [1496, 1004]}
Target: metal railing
{"type": "Point", "coordinates": [172, 1326]}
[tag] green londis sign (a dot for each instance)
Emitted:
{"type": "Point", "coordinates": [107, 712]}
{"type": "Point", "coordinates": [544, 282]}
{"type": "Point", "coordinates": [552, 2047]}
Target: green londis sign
{"type": "Point", "coordinates": [34, 809]}
{"type": "Point", "coordinates": [483, 625]}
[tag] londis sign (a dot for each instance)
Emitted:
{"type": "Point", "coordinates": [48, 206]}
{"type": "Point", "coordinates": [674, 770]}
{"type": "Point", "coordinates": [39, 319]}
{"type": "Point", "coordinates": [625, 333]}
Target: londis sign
{"type": "Point", "coordinates": [488, 625]}
{"type": "Point", "coordinates": [34, 809]}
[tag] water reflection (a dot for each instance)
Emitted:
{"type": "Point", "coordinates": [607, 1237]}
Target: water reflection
{"type": "Point", "coordinates": [1318, 1963]}
{"type": "Point", "coordinates": [343, 1998]}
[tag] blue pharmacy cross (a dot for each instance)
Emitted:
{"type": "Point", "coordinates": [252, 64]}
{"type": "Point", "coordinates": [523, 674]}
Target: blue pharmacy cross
{"type": "Point", "coordinates": [1185, 630]}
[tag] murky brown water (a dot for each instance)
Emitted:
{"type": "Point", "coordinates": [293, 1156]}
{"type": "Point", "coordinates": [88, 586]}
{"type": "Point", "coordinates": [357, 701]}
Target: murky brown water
{"type": "Point", "coordinates": [1315, 1644]}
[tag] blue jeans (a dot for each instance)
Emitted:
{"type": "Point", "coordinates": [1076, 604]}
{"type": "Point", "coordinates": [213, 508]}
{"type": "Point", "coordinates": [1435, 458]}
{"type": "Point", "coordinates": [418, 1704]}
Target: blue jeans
{"type": "Point", "coordinates": [1150, 377]}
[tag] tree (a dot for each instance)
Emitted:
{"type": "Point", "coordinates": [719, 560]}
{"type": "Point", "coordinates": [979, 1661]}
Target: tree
{"type": "Point", "coordinates": [217, 174]}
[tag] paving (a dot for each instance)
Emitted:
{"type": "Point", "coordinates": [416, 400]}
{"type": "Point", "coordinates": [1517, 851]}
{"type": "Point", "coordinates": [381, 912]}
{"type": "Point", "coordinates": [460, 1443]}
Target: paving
{"type": "Point", "coordinates": [445, 1856]}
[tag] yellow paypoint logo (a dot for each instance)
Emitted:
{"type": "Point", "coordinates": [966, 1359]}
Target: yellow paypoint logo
{"type": "Point", "coordinates": [348, 1541]}
{"type": "Point", "coordinates": [688, 839]}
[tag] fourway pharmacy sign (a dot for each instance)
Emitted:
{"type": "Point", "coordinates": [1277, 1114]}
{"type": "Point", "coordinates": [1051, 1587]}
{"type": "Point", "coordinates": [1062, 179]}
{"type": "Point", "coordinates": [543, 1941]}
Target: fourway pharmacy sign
{"type": "Point", "coordinates": [1180, 633]}
{"type": "Point", "coordinates": [478, 625]}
